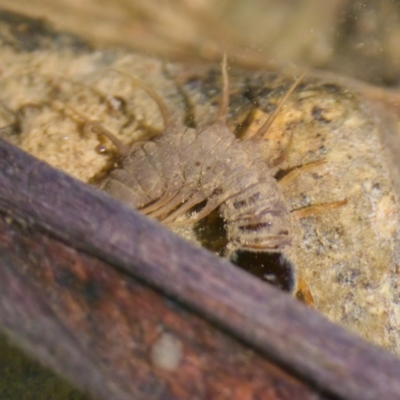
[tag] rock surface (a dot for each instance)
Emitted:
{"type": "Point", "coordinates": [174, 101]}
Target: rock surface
{"type": "Point", "coordinates": [345, 256]}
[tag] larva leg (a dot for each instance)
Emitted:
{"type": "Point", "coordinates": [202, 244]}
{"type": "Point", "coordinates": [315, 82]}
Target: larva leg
{"type": "Point", "coordinates": [298, 171]}
{"type": "Point", "coordinates": [314, 209]}
{"type": "Point", "coordinates": [162, 201]}
{"type": "Point", "coordinates": [270, 243]}
{"type": "Point", "coordinates": [165, 204]}
{"type": "Point", "coordinates": [209, 207]}
{"type": "Point", "coordinates": [317, 209]}
{"type": "Point", "coordinates": [193, 201]}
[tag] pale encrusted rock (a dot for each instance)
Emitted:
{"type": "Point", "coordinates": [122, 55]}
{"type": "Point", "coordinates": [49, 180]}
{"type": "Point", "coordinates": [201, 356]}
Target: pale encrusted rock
{"type": "Point", "coordinates": [348, 256]}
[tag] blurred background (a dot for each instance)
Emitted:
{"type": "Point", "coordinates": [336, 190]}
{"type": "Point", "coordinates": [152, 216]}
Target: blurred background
{"type": "Point", "coordinates": [351, 37]}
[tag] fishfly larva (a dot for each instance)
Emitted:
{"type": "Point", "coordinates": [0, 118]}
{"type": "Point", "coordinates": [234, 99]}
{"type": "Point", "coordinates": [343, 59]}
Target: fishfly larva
{"type": "Point", "coordinates": [185, 174]}
{"type": "Point", "coordinates": [166, 178]}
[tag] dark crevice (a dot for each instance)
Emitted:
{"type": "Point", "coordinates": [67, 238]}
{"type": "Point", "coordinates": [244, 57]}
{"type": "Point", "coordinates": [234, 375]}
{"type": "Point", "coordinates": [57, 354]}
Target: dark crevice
{"type": "Point", "coordinates": [272, 268]}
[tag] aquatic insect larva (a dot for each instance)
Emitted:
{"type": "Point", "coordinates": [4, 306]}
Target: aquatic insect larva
{"type": "Point", "coordinates": [184, 167]}
{"type": "Point", "coordinates": [185, 175]}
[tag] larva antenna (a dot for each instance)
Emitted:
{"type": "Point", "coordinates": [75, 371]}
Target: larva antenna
{"type": "Point", "coordinates": [224, 104]}
{"type": "Point", "coordinates": [94, 127]}
{"type": "Point", "coordinates": [165, 113]}
{"type": "Point", "coordinates": [264, 129]}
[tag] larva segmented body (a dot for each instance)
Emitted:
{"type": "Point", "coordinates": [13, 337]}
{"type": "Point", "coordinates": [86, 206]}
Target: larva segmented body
{"type": "Point", "coordinates": [184, 167]}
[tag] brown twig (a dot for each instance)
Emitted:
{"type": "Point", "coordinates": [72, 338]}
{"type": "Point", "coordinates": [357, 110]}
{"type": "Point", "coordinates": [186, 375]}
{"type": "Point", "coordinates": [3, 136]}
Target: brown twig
{"type": "Point", "coordinates": [271, 322]}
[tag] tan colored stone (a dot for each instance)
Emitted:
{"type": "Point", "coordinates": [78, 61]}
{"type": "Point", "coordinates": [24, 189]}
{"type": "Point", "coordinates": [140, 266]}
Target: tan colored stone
{"type": "Point", "coordinates": [348, 256]}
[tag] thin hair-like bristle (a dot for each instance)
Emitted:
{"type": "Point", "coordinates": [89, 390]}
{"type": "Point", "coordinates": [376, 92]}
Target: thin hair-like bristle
{"type": "Point", "coordinates": [264, 129]}
{"type": "Point", "coordinates": [224, 104]}
{"type": "Point", "coordinates": [165, 113]}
